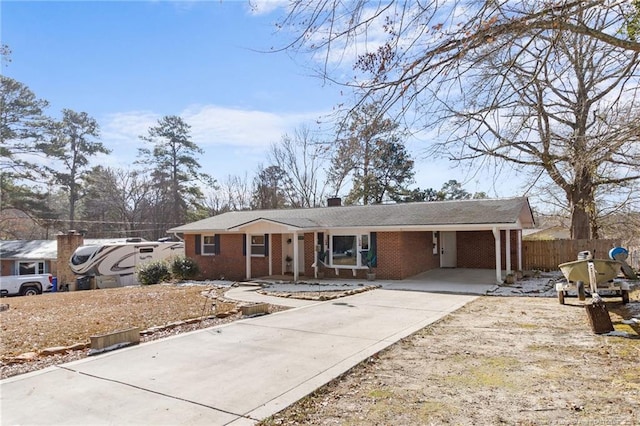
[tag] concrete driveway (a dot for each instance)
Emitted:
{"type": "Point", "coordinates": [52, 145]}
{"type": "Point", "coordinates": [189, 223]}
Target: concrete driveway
{"type": "Point", "coordinates": [235, 374]}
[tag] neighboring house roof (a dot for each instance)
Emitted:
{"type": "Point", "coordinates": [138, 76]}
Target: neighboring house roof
{"type": "Point", "coordinates": [41, 249]}
{"type": "Point", "coordinates": [552, 233]}
{"type": "Point", "coordinates": [483, 213]}
{"type": "Point", "coordinates": [28, 249]}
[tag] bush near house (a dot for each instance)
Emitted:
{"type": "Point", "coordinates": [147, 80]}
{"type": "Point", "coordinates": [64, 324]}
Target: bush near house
{"type": "Point", "coordinates": [153, 273]}
{"type": "Point", "coordinates": [184, 268]}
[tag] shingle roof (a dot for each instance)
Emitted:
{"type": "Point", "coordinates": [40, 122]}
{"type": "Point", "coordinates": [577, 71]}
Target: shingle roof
{"type": "Point", "coordinates": [436, 213]}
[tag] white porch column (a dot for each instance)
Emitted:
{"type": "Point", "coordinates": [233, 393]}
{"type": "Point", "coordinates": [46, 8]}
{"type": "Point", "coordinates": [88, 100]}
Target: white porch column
{"type": "Point", "coordinates": [507, 248]}
{"type": "Point", "coordinates": [519, 249]}
{"type": "Point", "coordinates": [496, 236]}
{"type": "Point", "coordinates": [295, 257]}
{"type": "Point", "coordinates": [247, 250]}
{"type": "Point", "coordinates": [315, 255]}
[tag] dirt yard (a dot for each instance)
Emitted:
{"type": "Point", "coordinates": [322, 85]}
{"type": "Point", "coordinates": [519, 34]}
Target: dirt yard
{"type": "Point", "coordinates": [498, 360]}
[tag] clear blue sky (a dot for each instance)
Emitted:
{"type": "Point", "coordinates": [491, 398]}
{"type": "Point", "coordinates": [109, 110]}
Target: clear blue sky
{"type": "Point", "coordinates": [129, 63]}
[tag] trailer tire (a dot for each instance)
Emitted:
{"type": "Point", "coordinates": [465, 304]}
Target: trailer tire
{"type": "Point", "coordinates": [581, 295]}
{"type": "Point", "coordinates": [561, 297]}
{"type": "Point", "coordinates": [625, 296]}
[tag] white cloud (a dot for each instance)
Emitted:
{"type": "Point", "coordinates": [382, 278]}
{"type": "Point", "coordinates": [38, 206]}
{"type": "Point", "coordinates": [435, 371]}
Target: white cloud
{"type": "Point", "coordinates": [129, 123]}
{"type": "Point", "coordinates": [215, 125]}
{"type": "Point", "coordinates": [234, 140]}
{"type": "Point", "coordinates": [121, 132]}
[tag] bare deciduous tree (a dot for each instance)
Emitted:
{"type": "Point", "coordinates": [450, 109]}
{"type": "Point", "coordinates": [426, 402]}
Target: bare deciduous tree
{"type": "Point", "coordinates": [548, 87]}
{"type": "Point", "coordinates": [118, 204]}
{"type": "Point", "coordinates": [234, 194]}
{"type": "Point", "coordinates": [301, 157]}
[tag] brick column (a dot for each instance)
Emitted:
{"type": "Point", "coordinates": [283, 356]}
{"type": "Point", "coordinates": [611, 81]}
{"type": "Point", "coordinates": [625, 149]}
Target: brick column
{"type": "Point", "coordinates": [67, 244]}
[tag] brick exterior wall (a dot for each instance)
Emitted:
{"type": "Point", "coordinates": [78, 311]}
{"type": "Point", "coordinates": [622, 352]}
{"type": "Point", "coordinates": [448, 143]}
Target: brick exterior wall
{"type": "Point", "coordinates": [230, 264]}
{"type": "Point", "coordinates": [476, 249]}
{"type": "Point", "coordinates": [417, 253]}
{"type": "Point", "coordinates": [276, 254]}
{"type": "Point", "coordinates": [400, 255]}
{"type": "Point", "coordinates": [404, 254]}
{"type": "Point", "coordinates": [309, 254]}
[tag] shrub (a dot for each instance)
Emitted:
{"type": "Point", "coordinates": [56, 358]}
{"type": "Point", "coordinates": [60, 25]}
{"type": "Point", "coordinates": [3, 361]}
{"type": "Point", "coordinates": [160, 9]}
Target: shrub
{"type": "Point", "coordinates": [153, 272]}
{"type": "Point", "coordinates": [184, 268]}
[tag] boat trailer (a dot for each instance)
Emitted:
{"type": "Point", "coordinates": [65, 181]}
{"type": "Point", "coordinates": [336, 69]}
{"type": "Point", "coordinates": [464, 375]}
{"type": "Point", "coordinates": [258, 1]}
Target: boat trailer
{"type": "Point", "coordinates": [600, 274]}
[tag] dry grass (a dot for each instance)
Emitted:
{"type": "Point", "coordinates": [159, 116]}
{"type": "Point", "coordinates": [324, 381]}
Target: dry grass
{"type": "Point", "coordinates": [513, 360]}
{"type": "Point", "coordinates": [63, 319]}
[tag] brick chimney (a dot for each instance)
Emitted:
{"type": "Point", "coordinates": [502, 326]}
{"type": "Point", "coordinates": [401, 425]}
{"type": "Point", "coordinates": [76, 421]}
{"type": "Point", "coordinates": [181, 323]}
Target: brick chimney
{"type": "Point", "coordinates": [334, 202]}
{"type": "Point", "coordinates": [67, 244]}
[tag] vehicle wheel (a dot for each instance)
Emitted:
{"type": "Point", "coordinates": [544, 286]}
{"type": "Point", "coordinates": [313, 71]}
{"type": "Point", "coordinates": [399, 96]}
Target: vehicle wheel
{"type": "Point", "coordinates": [561, 297]}
{"type": "Point", "coordinates": [29, 291]}
{"type": "Point", "coordinates": [625, 296]}
{"type": "Point", "coordinates": [581, 296]}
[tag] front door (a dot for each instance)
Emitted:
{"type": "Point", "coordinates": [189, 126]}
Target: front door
{"type": "Point", "coordinates": [448, 252]}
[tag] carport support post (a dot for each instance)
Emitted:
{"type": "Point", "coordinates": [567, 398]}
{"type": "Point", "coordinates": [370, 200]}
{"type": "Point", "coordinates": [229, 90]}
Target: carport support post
{"type": "Point", "coordinates": [496, 236]}
{"type": "Point", "coordinates": [507, 249]}
{"type": "Point", "coordinates": [316, 256]}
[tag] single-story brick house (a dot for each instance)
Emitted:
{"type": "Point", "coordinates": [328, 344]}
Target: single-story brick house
{"type": "Point", "coordinates": [400, 240]}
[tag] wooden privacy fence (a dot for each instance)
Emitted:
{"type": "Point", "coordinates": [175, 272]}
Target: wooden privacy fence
{"type": "Point", "coordinates": [546, 255]}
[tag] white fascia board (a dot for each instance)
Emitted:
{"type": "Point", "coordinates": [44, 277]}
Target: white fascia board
{"type": "Point", "coordinates": [266, 225]}
{"type": "Point", "coordinates": [203, 231]}
{"type": "Point", "coordinates": [410, 228]}
{"type": "Point", "coordinates": [283, 228]}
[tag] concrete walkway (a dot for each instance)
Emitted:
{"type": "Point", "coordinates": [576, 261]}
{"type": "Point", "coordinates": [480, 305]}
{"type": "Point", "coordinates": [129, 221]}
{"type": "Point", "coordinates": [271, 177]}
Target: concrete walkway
{"type": "Point", "coordinates": [235, 374]}
{"type": "Point", "coordinates": [246, 293]}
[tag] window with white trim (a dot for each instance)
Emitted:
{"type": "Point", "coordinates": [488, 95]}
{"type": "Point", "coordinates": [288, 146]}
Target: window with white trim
{"type": "Point", "coordinates": [30, 268]}
{"type": "Point", "coordinates": [208, 244]}
{"type": "Point", "coordinates": [351, 251]}
{"type": "Point", "coordinates": [364, 249]}
{"type": "Point", "coordinates": [344, 250]}
{"type": "Point", "coordinates": [257, 245]}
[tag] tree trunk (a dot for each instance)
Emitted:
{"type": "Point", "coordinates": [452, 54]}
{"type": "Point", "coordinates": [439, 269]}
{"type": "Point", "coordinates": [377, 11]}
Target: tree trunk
{"type": "Point", "coordinates": [580, 223]}
{"type": "Point", "coordinates": [72, 204]}
{"type": "Point", "coordinates": [581, 199]}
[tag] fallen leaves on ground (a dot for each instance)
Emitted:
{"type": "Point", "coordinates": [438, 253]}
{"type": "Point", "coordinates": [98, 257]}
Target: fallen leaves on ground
{"type": "Point", "coordinates": [33, 323]}
{"type": "Point", "coordinates": [497, 360]}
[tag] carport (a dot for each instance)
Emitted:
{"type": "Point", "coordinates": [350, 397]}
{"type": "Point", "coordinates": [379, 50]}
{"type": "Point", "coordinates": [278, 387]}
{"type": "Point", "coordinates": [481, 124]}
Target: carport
{"type": "Point", "coordinates": [458, 280]}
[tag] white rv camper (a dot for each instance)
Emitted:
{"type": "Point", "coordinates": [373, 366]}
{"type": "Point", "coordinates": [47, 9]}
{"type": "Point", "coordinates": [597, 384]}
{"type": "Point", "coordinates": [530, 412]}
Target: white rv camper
{"type": "Point", "coordinates": [114, 264]}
